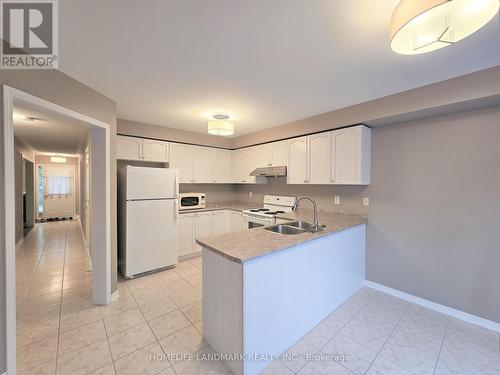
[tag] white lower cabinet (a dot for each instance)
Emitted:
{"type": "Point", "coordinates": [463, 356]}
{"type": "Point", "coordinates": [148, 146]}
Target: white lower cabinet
{"type": "Point", "coordinates": [220, 222]}
{"type": "Point", "coordinates": [236, 221]}
{"type": "Point", "coordinates": [205, 224]}
{"type": "Point", "coordinates": [203, 227]}
{"type": "Point", "coordinates": [186, 233]}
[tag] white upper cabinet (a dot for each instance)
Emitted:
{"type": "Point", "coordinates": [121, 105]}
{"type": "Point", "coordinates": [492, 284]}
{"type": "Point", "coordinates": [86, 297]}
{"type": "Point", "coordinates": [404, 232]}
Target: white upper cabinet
{"type": "Point", "coordinates": [278, 154]}
{"type": "Point", "coordinates": [181, 158]}
{"type": "Point", "coordinates": [297, 161]}
{"type": "Point", "coordinates": [351, 156]}
{"type": "Point", "coordinates": [319, 160]}
{"type": "Point", "coordinates": [153, 150]}
{"type": "Point", "coordinates": [339, 157]}
{"type": "Point", "coordinates": [203, 164]}
{"type": "Point", "coordinates": [128, 148]}
{"type": "Point", "coordinates": [222, 166]}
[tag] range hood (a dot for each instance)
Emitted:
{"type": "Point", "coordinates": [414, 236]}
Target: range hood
{"type": "Point", "coordinates": [270, 171]}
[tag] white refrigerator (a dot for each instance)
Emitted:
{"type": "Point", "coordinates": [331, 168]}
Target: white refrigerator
{"type": "Point", "coordinates": [148, 219]}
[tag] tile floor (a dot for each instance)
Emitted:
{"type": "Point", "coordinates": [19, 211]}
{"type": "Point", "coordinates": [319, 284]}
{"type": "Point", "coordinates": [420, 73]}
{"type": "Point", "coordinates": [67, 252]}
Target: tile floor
{"type": "Point", "coordinates": [60, 331]}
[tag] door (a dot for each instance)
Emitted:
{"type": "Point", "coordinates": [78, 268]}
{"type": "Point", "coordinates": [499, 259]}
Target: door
{"type": "Point", "coordinates": [58, 191]}
{"type": "Point", "coordinates": [297, 161]}
{"type": "Point", "coordinates": [181, 159]}
{"type": "Point", "coordinates": [220, 222]}
{"type": "Point", "coordinates": [151, 183]}
{"type": "Point", "coordinates": [155, 150]}
{"type": "Point", "coordinates": [261, 156]}
{"type": "Point", "coordinates": [152, 235]}
{"type": "Point", "coordinates": [86, 196]}
{"type": "Point", "coordinates": [345, 156]}
{"type": "Point", "coordinates": [278, 154]}
{"type": "Point", "coordinates": [128, 148]}
{"type": "Point", "coordinates": [203, 165]}
{"type": "Point", "coordinates": [186, 234]}
{"type": "Point", "coordinates": [203, 227]}
{"type": "Point", "coordinates": [222, 166]}
{"type": "Point", "coordinates": [319, 159]}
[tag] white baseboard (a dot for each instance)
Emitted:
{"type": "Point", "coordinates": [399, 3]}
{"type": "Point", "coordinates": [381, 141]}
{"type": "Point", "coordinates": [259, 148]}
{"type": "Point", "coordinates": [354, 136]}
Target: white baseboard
{"type": "Point", "coordinates": [494, 326]}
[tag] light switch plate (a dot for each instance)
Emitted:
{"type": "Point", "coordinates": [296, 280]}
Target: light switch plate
{"type": "Point", "coordinates": [366, 201]}
{"type": "Point", "coordinates": [336, 200]}
{"type": "Point", "coordinates": [250, 194]}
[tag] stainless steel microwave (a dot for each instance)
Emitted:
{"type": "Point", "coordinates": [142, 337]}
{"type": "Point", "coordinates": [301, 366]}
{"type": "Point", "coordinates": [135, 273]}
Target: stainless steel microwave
{"type": "Point", "coordinates": [191, 201]}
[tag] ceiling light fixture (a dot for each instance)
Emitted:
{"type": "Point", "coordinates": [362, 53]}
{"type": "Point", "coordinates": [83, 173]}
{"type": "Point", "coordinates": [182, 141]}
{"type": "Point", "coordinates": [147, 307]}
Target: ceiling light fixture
{"type": "Point", "coordinates": [419, 26]}
{"type": "Point", "coordinates": [57, 159]}
{"type": "Point", "coordinates": [220, 125]}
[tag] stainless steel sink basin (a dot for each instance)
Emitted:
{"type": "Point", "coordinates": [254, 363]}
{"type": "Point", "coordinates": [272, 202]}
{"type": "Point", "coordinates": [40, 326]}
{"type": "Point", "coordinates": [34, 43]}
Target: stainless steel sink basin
{"type": "Point", "coordinates": [285, 229]}
{"type": "Point", "coordinates": [305, 226]}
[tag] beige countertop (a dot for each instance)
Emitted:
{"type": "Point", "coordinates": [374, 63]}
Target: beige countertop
{"type": "Point", "coordinates": [253, 243]}
{"type": "Point", "coordinates": [235, 206]}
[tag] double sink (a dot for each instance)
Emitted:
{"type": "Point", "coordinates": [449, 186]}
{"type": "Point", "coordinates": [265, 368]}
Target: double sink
{"type": "Point", "coordinates": [295, 227]}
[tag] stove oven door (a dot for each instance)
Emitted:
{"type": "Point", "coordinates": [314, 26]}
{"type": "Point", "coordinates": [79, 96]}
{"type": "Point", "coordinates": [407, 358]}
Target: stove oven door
{"type": "Point", "coordinates": [253, 222]}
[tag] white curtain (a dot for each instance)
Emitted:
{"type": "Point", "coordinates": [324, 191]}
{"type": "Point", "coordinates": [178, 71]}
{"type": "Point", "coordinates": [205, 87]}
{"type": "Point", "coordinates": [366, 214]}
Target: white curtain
{"type": "Point", "coordinates": [58, 181]}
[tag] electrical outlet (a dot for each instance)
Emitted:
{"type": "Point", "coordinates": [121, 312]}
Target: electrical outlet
{"type": "Point", "coordinates": [250, 194]}
{"type": "Point", "coordinates": [366, 201]}
{"type": "Point", "coordinates": [336, 200]}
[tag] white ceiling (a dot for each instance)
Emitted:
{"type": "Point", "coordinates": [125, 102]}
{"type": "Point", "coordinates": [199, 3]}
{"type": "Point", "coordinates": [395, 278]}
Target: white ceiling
{"type": "Point", "coordinates": [54, 135]}
{"type": "Point", "coordinates": [266, 62]}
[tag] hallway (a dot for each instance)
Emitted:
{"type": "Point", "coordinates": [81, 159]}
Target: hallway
{"type": "Point", "coordinates": [53, 294]}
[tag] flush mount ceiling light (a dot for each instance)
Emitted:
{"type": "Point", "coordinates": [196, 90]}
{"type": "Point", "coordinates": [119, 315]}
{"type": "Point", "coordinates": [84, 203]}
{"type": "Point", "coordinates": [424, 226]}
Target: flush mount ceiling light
{"type": "Point", "coordinates": [57, 159]}
{"type": "Point", "coordinates": [419, 26]}
{"type": "Point", "coordinates": [220, 125]}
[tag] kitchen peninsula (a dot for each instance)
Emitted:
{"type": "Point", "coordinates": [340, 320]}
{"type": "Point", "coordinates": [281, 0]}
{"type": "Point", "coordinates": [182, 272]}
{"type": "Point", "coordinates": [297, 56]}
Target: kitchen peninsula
{"type": "Point", "coordinates": [263, 291]}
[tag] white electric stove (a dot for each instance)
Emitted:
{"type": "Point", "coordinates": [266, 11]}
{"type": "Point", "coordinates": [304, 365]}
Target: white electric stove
{"type": "Point", "coordinates": [267, 215]}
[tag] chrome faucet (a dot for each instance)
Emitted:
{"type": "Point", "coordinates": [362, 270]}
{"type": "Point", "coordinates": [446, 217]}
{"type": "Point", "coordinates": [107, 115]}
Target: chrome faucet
{"type": "Point", "coordinates": [315, 226]}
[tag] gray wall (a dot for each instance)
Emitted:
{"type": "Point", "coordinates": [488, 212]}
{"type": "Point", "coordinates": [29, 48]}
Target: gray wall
{"type": "Point", "coordinates": [63, 90]}
{"type": "Point", "coordinates": [434, 217]}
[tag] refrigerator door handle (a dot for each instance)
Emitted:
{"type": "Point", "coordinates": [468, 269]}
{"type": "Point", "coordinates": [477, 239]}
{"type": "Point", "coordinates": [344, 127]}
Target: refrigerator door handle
{"type": "Point", "coordinates": [176, 187]}
{"type": "Point", "coordinates": [176, 210]}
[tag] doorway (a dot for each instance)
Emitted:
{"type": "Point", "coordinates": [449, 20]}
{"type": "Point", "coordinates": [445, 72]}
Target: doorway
{"type": "Point", "coordinates": [56, 184]}
{"type": "Point", "coordinates": [99, 213]}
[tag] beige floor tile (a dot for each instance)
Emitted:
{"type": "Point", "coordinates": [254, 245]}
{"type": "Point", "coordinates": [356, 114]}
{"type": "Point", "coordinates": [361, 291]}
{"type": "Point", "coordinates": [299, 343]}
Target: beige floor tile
{"type": "Point", "coordinates": [169, 323]}
{"type": "Point", "coordinates": [143, 361]}
{"type": "Point", "coordinates": [185, 296]}
{"type": "Point", "coordinates": [199, 326]}
{"type": "Point", "coordinates": [167, 277]}
{"type": "Point", "coordinates": [109, 369]}
{"type": "Point", "coordinates": [36, 332]}
{"type": "Point", "coordinates": [75, 339]}
{"type": "Point", "coordinates": [32, 315]}
{"type": "Point", "coordinates": [185, 341]}
{"type": "Point", "coordinates": [44, 300]}
{"type": "Point", "coordinates": [358, 358]}
{"type": "Point", "coordinates": [382, 366]}
{"type": "Point", "coordinates": [80, 318]}
{"type": "Point", "coordinates": [201, 365]}
{"type": "Point", "coordinates": [327, 367]}
{"type": "Point", "coordinates": [276, 368]}
{"type": "Point", "coordinates": [158, 308]}
{"type": "Point", "coordinates": [297, 356]}
{"type": "Point", "coordinates": [130, 340]}
{"type": "Point", "coordinates": [122, 321]}
{"type": "Point", "coordinates": [195, 280]}
{"type": "Point", "coordinates": [188, 270]}
{"type": "Point", "coordinates": [193, 311]}
{"type": "Point", "coordinates": [84, 360]}
{"type": "Point", "coordinates": [47, 368]}
{"type": "Point", "coordinates": [123, 303]}
{"type": "Point", "coordinates": [36, 353]}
